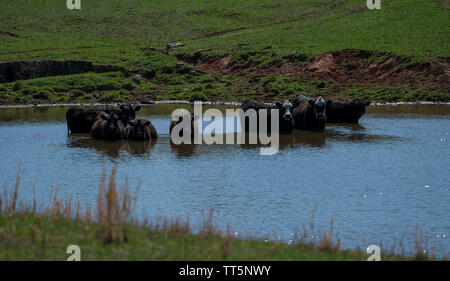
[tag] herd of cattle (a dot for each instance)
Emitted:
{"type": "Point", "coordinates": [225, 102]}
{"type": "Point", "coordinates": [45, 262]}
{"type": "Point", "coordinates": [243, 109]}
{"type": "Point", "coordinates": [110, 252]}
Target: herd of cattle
{"type": "Point", "coordinates": [110, 124]}
{"type": "Point", "coordinates": [304, 113]}
{"type": "Point", "coordinates": [116, 124]}
{"type": "Point", "coordinates": [301, 113]}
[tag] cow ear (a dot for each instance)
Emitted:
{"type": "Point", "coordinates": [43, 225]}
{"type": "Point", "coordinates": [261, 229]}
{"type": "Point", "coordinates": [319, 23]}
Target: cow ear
{"type": "Point", "coordinates": [146, 123]}
{"type": "Point", "coordinates": [311, 102]}
{"type": "Point", "coordinates": [137, 108]}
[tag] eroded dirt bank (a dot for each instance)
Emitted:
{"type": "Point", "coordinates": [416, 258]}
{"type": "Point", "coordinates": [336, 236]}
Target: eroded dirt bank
{"type": "Point", "coordinates": [343, 68]}
{"type": "Point", "coordinates": [340, 75]}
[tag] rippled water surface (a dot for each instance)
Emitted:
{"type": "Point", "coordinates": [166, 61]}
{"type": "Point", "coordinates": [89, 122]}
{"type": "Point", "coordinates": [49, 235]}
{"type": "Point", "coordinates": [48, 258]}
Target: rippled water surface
{"type": "Point", "coordinates": [372, 179]}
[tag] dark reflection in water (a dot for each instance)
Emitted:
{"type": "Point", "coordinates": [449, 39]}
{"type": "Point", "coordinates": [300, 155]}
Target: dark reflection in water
{"type": "Point", "coordinates": [184, 150]}
{"type": "Point", "coordinates": [111, 149]}
{"type": "Point", "coordinates": [33, 114]}
{"type": "Point", "coordinates": [410, 110]}
{"type": "Point", "coordinates": [297, 138]}
{"type": "Point", "coordinates": [359, 137]}
{"type": "Point", "coordinates": [351, 127]}
{"type": "Point", "coordinates": [349, 133]}
{"type": "Point", "coordinates": [139, 147]}
{"type": "Point", "coordinates": [373, 178]}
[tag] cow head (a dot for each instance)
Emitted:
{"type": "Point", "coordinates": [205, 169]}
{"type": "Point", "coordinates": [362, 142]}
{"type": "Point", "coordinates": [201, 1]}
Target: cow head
{"type": "Point", "coordinates": [285, 110]}
{"type": "Point", "coordinates": [128, 111]}
{"type": "Point", "coordinates": [112, 121]}
{"type": "Point", "coordinates": [138, 128]}
{"type": "Point", "coordinates": [320, 107]}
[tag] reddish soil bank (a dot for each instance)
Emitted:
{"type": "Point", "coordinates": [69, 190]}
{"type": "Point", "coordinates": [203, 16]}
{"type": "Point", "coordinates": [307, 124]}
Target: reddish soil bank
{"type": "Point", "coordinates": [345, 68]}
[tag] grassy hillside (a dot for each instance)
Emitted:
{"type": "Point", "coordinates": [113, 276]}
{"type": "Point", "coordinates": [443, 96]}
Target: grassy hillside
{"type": "Point", "coordinates": [256, 33]}
{"type": "Point", "coordinates": [414, 28]}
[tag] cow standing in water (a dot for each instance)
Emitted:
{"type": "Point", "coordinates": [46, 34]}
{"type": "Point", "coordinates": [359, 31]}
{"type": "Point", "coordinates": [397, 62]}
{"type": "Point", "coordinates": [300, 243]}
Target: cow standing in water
{"type": "Point", "coordinates": [140, 129]}
{"type": "Point", "coordinates": [80, 120]}
{"type": "Point", "coordinates": [346, 112]}
{"type": "Point", "coordinates": [107, 127]}
{"type": "Point", "coordinates": [286, 120]}
{"type": "Point", "coordinates": [309, 114]}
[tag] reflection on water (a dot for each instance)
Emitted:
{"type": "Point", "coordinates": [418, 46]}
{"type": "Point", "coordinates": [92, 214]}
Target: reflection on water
{"type": "Point", "coordinates": [296, 139]}
{"type": "Point", "coordinates": [110, 148]}
{"type": "Point", "coordinates": [372, 179]}
{"type": "Point", "coordinates": [359, 137]}
{"type": "Point", "coordinates": [184, 150]}
{"type": "Point", "coordinates": [139, 147]}
{"type": "Point", "coordinates": [409, 110]}
{"type": "Point", "coordinates": [348, 127]}
{"type": "Point", "coordinates": [349, 133]}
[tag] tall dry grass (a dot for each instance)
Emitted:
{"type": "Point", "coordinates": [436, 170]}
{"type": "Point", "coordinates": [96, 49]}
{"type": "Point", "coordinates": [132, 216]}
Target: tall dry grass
{"type": "Point", "coordinates": [209, 226]}
{"type": "Point", "coordinates": [5, 205]}
{"type": "Point", "coordinates": [114, 210]}
{"type": "Point", "coordinates": [324, 241]}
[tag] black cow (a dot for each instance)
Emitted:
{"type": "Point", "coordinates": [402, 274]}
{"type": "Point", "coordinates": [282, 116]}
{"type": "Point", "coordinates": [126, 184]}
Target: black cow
{"type": "Point", "coordinates": [346, 112]}
{"type": "Point", "coordinates": [286, 120]}
{"type": "Point", "coordinates": [127, 112]}
{"type": "Point", "coordinates": [309, 114]}
{"type": "Point", "coordinates": [107, 127]}
{"type": "Point", "coordinates": [81, 120]}
{"type": "Point", "coordinates": [140, 129]}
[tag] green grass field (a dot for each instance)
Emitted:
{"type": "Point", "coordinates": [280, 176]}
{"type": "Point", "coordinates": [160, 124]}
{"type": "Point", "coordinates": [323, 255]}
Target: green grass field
{"type": "Point", "coordinates": [257, 32]}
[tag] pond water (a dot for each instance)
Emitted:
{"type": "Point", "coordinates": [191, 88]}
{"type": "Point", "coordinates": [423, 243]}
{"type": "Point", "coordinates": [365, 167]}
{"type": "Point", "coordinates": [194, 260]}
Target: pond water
{"type": "Point", "coordinates": [377, 180]}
